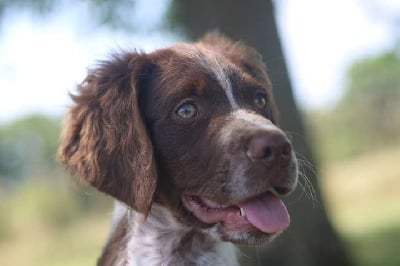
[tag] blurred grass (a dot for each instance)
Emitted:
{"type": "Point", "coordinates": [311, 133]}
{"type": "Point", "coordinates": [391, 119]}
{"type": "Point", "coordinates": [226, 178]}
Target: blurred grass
{"type": "Point", "coordinates": [363, 198]}
{"type": "Point", "coordinates": [56, 222]}
{"type": "Point", "coordinates": [45, 223]}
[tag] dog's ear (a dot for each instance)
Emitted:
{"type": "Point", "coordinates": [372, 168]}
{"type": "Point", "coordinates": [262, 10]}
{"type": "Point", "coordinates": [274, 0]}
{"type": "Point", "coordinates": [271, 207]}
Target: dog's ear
{"type": "Point", "coordinates": [105, 140]}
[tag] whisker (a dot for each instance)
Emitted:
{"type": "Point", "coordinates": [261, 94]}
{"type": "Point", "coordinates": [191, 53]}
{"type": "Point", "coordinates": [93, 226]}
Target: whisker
{"type": "Point", "coordinates": [258, 256]}
{"type": "Point", "coordinates": [292, 134]}
{"type": "Point", "coordinates": [306, 162]}
{"type": "Point", "coordinates": [241, 252]}
{"type": "Point", "coordinates": [309, 190]}
{"type": "Point", "coordinates": [307, 186]}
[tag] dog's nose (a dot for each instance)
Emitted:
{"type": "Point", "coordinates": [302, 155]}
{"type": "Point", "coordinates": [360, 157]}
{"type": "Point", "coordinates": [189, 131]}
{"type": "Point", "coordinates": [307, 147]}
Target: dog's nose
{"type": "Point", "coordinates": [270, 147]}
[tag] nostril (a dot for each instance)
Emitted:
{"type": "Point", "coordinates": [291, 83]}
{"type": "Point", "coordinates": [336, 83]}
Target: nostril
{"type": "Point", "coordinates": [261, 148]}
{"type": "Point", "coordinates": [270, 147]}
{"type": "Point", "coordinates": [268, 153]}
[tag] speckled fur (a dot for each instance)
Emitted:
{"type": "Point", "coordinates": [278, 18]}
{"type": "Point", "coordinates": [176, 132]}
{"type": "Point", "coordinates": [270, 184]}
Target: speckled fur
{"type": "Point", "coordinates": [161, 240]}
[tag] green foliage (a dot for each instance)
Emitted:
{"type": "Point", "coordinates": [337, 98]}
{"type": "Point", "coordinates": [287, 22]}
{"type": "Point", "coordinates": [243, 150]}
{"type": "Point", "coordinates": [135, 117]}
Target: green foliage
{"type": "Point", "coordinates": [115, 14]}
{"type": "Point", "coordinates": [377, 76]}
{"type": "Point", "coordinates": [54, 202]}
{"type": "Point", "coordinates": [28, 147]}
{"type": "Point", "coordinates": [368, 116]}
{"type": "Point", "coordinates": [42, 209]}
{"type": "Point", "coordinates": [374, 94]}
{"type": "Point", "coordinates": [31, 177]}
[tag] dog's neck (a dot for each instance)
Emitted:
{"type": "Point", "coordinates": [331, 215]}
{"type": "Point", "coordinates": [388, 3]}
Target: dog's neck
{"type": "Point", "coordinates": [161, 240]}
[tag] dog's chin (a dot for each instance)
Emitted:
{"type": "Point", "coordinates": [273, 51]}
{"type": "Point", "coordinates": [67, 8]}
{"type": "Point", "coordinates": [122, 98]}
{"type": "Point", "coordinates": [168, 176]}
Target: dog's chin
{"type": "Point", "coordinates": [248, 238]}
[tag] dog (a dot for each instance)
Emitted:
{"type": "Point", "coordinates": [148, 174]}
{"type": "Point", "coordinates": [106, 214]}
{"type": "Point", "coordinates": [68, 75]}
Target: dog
{"type": "Point", "coordinates": [185, 139]}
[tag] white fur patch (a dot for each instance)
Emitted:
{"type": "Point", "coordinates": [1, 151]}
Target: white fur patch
{"type": "Point", "coordinates": [221, 73]}
{"type": "Point", "coordinates": [118, 213]}
{"type": "Point", "coordinates": [154, 241]}
{"type": "Point", "coordinates": [213, 62]}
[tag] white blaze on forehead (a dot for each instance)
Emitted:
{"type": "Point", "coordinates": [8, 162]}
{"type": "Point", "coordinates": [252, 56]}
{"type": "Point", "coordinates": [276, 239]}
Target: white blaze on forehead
{"type": "Point", "coordinates": [223, 79]}
{"type": "Point", "coordinates": [214, 62]}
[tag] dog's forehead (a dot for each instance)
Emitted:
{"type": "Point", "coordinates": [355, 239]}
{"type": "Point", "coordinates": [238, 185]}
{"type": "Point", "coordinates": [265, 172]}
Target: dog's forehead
{"type": "Point", "coordinates": [213, 63]}
{"type": "Point", "coordinates": [188, 69]}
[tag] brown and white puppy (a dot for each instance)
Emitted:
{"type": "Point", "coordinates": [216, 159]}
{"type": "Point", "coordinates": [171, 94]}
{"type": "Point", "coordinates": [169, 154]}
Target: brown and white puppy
{"type": "Point", "coordinates": [185, 139]}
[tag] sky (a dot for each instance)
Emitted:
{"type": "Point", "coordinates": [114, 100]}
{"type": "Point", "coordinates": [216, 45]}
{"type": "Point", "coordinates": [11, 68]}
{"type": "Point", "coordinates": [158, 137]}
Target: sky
{"type": "Point", "coordinates": [42, 59]}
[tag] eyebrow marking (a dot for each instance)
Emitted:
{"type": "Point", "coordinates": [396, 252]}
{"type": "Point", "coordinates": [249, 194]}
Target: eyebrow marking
{"type": "Point", "coordinates": [213, 62]}
{"type": "Point", "coordinates": [221, 74]}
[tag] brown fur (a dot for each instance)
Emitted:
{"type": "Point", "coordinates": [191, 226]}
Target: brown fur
{"type": "Point", "coordinates": [104, 133]}
{"type": "Point", "coordinates": [124, 137]}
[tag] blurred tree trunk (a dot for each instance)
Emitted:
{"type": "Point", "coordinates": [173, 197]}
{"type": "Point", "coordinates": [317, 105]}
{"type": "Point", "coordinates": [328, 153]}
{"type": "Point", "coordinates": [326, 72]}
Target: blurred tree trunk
{"type": "Point", "coordinates": [311, 240]}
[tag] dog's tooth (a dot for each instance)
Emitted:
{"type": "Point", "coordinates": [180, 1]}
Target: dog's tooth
{"type": "Point", "coordinates": [242, 212]}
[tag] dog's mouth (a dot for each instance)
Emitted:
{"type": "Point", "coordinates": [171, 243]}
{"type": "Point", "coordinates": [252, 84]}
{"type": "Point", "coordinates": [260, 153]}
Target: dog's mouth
{"type": "Point", "coordinates": [265, 212]}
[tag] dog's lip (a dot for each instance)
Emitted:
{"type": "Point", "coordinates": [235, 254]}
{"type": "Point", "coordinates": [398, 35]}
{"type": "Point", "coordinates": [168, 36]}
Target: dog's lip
{"type": "Point", "coordinates": [210, 212]}
{"type": "Point", "coordinates": [215, 206]}
{"type": "Point", "coordinates": [264, 212]}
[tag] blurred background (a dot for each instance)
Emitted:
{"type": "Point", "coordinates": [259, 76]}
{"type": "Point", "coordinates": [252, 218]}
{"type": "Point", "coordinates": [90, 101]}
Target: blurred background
{"type": "Point", "coordinates": [335, 66]}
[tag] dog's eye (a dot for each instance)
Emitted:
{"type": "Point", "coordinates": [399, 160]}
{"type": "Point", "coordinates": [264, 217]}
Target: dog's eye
{"type": "Point", "coordinates": [187, 111]}
{"type": "Point", "coordinates": [260, 101]}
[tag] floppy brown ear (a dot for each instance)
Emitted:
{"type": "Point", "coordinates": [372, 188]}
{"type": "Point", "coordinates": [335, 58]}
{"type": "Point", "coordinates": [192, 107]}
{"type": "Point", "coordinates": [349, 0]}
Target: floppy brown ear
{"type": "Point", "coordinates": [105, 140]}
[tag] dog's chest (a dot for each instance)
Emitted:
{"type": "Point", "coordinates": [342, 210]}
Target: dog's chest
{"type": "Point", "coordinates": [162, 240]}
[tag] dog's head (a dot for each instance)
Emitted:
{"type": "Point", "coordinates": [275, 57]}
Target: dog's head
{"type": "Point", "coordinates": [191, 127]}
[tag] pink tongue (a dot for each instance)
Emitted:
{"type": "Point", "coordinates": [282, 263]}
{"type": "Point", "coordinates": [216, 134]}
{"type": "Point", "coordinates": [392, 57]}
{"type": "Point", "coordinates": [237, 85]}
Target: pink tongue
{"type": "Point", "coordinates": [267, 213]}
